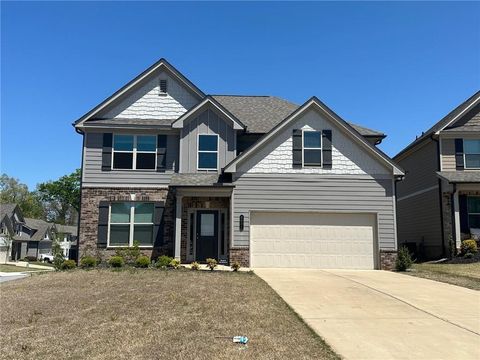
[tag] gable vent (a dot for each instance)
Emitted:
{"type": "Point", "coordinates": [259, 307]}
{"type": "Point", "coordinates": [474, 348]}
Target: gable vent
{"type": "Point", "coordinates": [163, 86]}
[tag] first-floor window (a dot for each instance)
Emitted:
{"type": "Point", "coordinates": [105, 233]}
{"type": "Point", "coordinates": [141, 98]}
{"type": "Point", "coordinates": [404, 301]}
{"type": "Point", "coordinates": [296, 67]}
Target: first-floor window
{"type": "Point", "coordinates": [473, 211]}
{"type": "Point", "coordinates": [131, 222]}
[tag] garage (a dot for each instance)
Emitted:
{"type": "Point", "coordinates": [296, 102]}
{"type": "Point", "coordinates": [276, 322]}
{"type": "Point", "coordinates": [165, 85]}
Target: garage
{"type": "Point", "coordinates": [312, 240]}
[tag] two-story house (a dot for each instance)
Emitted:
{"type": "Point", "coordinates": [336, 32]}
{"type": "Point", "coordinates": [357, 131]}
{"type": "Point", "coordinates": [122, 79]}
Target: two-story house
{"type": "Point", "coordinates": [438, 202]}
{"type": "Point", "coordinates": [254, 179]}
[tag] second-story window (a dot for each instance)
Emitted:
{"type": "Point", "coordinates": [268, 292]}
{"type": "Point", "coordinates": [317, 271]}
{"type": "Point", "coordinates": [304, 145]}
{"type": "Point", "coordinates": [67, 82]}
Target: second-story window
{"type": "Point", "coordinates": [312, 148]}
{"type": "Point", "coordinates": [471, 150]}
{"type": "Point", "coordinates": [207, 152]}
{"type": "Point", "coordinates": [134, 152]}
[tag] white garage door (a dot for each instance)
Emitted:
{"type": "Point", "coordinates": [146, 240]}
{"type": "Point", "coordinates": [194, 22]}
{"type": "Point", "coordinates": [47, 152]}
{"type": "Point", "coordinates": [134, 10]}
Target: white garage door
{"type": "Point", "coordinates": [312, 240]}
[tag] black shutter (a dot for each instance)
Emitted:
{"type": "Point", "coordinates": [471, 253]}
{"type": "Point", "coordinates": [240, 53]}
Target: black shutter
{"type": "Point", "coordinates": [463, 204]}
{"type": "Point", "coordinates": [327, 149]}
{"type": "Point", "coordinates": [158, 223]}
{"type": "Point", "coordinates": [297, 148]}
{"type": "Point", "coordinates": [161, 152]}
{"type": "Point", "coordinates": [107, 152]}
{"type": "Point", "coordinates": [459, 154]}
{"type": "Point", "coordinates": [103, 210]}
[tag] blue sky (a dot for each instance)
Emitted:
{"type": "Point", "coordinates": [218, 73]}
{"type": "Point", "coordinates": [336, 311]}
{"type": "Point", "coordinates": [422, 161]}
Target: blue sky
{"type": "Point", "coordinates": [396, 67]}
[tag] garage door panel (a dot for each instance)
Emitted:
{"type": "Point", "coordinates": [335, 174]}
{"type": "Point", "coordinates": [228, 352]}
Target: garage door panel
{"type": "Point", "coordinates": [312, 240]}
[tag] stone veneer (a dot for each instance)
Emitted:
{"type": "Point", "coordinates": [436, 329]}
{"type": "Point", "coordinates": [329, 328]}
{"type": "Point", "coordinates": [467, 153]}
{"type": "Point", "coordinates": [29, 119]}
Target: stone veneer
{"type": "Point", "coordinates": [91, 198]}
{"type": "Point", "coordinates": [387, 259]}
{"type": "Point", "coordinates": [241, 255]}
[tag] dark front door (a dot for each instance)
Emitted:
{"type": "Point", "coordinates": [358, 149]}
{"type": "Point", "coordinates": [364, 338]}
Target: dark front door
{"type": "Point", "coordinates": [207, 235]}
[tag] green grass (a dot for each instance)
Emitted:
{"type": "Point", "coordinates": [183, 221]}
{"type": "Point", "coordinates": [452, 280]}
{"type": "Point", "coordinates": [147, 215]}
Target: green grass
{"type": "Point", "coordinates": [13, 268]}
{"type": "Point", "coordinates": [41, 263]}
{"type": "Point", "coordinates": [466, 275]}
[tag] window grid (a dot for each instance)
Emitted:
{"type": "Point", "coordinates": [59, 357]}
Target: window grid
{"type": "Point", "coordinates": [312, 148]}
{"type": "Point", "coordinates": [206, 151]}
{"type": "Point", "coordinates": [131, 225]}
{"type": "Point", "coordinates": [465, 154]}
{"type": "Point", "coordinates": [134, 153]}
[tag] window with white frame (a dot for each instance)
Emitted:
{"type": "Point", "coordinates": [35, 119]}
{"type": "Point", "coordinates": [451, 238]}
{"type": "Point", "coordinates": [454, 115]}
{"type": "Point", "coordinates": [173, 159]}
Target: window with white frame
{"type": "Point", "coordinates": [134, 152]}
{"type": "Point", "coordinates": [131, 222]}
{"type": "Point", "coordinates": [473, 206]}
{"type": "Point", "coordinates": [312, 148]}
{"type": "Point", "coordinates": [207, 152]}
{"type": "Point", "coordinates": [471, 153]}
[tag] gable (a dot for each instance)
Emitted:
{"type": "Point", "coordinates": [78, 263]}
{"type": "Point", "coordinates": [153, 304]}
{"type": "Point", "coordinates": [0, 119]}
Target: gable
{"type": "Point", "coordinates": [348, 157]}
{"type": "Point", "coordinates": [147, 102]}
{"type": "Point", "coordinates": [471, 118]}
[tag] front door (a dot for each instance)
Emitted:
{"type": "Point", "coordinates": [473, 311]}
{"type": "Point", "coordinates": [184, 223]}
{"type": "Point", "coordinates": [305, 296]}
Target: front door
{"type": "Point", "coordinates": [207, 235]}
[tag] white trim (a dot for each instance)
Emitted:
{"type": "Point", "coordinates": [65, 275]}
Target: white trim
{"type": "Point", "coordinates": [416, 193]}
{"type": "Point", "coordinates": [456, 209]}
{"type": "Point", "coordinates": [207, 151]}
{"type": "Point", "coordinates": [394, 206]}
{"type": "Point", "coordinates": [464, 155]}
{"type": "Point", "coordinates": [134, 152]}
{"type": "Point", "coordinates": [308, 148]}
{"type": "Point", "coordinates": [178, 227]}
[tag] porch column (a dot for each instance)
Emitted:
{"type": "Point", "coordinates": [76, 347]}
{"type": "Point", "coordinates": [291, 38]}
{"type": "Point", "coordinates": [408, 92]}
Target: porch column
{"type": "Point", "coordinates": [178, 226]}
{"type": "Point", "coordinates": [456, 217]}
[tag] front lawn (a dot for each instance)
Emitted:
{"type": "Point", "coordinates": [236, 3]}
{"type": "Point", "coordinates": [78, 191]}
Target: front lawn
{"type": "Point", "coordinates": [151, 314]}
{"type": "Point", "coordinates": [13, 268]}
{"type": "Point", "coordinates": [466, 275]}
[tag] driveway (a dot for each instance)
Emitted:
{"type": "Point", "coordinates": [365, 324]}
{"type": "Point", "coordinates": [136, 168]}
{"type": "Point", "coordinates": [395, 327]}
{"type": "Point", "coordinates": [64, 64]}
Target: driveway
{"type": "Point", "coordinates": [383, 315]}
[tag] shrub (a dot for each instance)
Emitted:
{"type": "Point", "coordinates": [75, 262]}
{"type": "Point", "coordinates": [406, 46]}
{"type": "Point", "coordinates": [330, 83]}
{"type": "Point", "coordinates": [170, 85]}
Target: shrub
{"type": "Point", "coordinates": [211, 263]}
{"type": "Point", "coordinates": [87, 262]}
{"type": "Point", "coordinates": [116, 261]}
{"type": "Point", "coordinates": [195, 265]}
{"type": "Point", "coordinates": [129, 254]}
{"type": "Point", "coordinates": [468, 256]}
{"type": "Point", "coordinates": [404, 260]}
{"type": "Point", "coordinates": [30, 258]}
{"type": "Point", "coordinates": [175, 263]}
{"type": "Point", "coordinates": [163, 261]}
{"type": "Point", "coordinates": [235, 266]}
{"type": "Point", "coordinates": [68, 265]}
{"type": "Point", "coordinates": [142, 261]}
{"type": "Point", "coordinates": [468, 246]}
{"type": "Point", "coordinates": [58, 257]}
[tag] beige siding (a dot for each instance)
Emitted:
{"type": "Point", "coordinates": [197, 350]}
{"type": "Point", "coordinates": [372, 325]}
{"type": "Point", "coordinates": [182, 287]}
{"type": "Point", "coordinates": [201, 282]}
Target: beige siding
{"type": "Point", "coordinates": [448, 154]}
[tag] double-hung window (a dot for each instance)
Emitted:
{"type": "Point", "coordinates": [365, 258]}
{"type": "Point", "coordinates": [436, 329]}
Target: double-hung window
{"type": "Point", "coordinates": [207, 152]}
{"type": "Point", "coordinates": [131, 222]}
{"type": "Point", "coordinates": [471, 150]}
{"type": "Point", "coordinates": [312, 148]}
{"type": "Point", "coordinates": [134, 152]}
{"type": "Point", "coordinates": [473, 206]}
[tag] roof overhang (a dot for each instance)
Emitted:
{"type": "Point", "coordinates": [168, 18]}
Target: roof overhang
{"type": "Point", "coordinates": [208, 102]}
{"type": "Point", "coordinates": [162, 64]}
{"type": "Point", "coordinates": [316, 104]}
{"type": "Point", "coordinates": [473, 103]}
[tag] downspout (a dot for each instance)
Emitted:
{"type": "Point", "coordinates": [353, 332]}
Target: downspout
{"type": "Point", "coordinates": [440, 195]}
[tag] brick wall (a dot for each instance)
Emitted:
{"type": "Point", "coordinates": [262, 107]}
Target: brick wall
{"type": "Point", "coordinates": [387, 259]}
{"type": "Point", "coordinates": [91, 198]}
{"type": "Point", "coordinates": [241, 255]}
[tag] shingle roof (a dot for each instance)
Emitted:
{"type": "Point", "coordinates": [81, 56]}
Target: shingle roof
{"type": "Point", "coordinates": [40, 225]}
{"type": "Point", "coordinates": [460, 176]}
{"type": "Point", "coordinates": [464, 128]}
{"type": "Point", "coordinates": [7, 209]}
{"type": "Point", "coordinates": [197, 180]}
{"type": "Point", "coordinates": [133, 122]}
{"type": "Point", "coordinates": [67, 229]}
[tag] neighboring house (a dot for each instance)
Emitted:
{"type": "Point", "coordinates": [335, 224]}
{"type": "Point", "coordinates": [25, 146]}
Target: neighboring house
{"type": "Point", "coordinates": [67, 237]}
{"type": "Point", "coordinates": [438, 202]}
{"type": "Point", "coordinates": [253, 179]}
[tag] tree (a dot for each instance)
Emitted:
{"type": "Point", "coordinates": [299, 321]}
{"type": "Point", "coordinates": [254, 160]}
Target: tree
{"type": "Point", "coordinates": [61, 198]}
{"type": "Point", "coordinates": [13, 191]}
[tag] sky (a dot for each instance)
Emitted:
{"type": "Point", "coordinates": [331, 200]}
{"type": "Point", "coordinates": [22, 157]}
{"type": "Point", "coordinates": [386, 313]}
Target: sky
{"type": "Point", "coordinates": [394, 67]}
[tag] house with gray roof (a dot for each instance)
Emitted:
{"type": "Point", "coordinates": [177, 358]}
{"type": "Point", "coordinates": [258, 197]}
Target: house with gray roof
{"type": "Point", "coordinates": [257, 180]}
{"type": "Point", "coordinates": [438, 202]}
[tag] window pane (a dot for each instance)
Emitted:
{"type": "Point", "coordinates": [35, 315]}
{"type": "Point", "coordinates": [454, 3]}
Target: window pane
{"type": "Point", "coordinates": [120, 213]}
{"type": "Point", "coordinates": [123, 160]}
{"type": "Point", "coordinates": [144, 213]}
{"type": "Point", "coordinates": [473, 204]}
{"type": "Point", "coordinates": [119, 235]}
{"type": "Point", "coordinates": [207, 160]}
{"type": "Point", "coordinates": [471, 146]}
{"type": "Point", "coordinates": [207, 224]}
{"type": "Point", "coordinates": [311, 139]}
{"type": "Point", "coordinates": [146, 143]}
{"type": "Point", "coordinates": [207, 142]}
{"type": "Point", "coordinates": [123, 142]}
{"type": "Point", "coordinates": [312, 157]}
{"type": "Point", "coordinates": [474, 221]}
{"type": "Point", "coordinates": [472, 161]}
{"type": "Point", "coordinates": [143, 234]}
{"type": "Point", "coordinates": [146, 160]}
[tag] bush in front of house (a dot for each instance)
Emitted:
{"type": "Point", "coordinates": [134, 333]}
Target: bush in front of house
{"type": "Point", "coordinates": [235, 266]}
{"type": "Point", "coordinates": [142, 261]}
{"type": "Point", "coordinates": [163, 262]}
{"type": "Point", "coordinates": [195, 265]}
{"type": "Point", "coordinates": [174, 264]}
{"type": "Point", "coordinates": [211, 263]}
{"type": "Point", "coordinates": [116, 261]}
{"type": "Point", "coordinates": [129, 254]}
{"type": "Point", "coordinates": [88, 262]}
{"type": "Point", "coordinates": [68, 265]}
{"type": "Point", "coordinates": [30, 258]}
{"type": "Point", "coordinates": [404, 260]}
{"type": "Point", "coordinates": [468, 247]}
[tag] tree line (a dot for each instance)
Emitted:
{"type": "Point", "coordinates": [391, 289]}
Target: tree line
{"type": "Point", "coordinates": [54, 201]}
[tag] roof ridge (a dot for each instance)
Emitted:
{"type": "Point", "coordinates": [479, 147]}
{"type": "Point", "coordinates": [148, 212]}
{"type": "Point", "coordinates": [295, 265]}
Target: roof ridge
{"type": "Point", "coordinates": [237, 95]}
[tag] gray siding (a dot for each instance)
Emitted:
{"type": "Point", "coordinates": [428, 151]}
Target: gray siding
{"type": "Point", "coordinates": [303, 192]}
{"type": "Point", "coordinates": [94, 176]}
{"type": "Point", "coordinates": [206, 123]}
{"type": "Point", "coordinates": [32, 248]}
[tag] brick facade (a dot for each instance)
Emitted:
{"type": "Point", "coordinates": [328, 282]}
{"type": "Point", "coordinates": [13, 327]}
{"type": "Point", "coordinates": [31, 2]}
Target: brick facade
{"type": "Point", "coordinates": [387, 259]}
{"type": "Point", "coordinates": [91, 198]}
{"type": "Point", "coordinates": [241, 255]}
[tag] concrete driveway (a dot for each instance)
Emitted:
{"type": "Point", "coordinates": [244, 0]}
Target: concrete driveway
{"type": "Point", "coordinates": [383, 315]}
